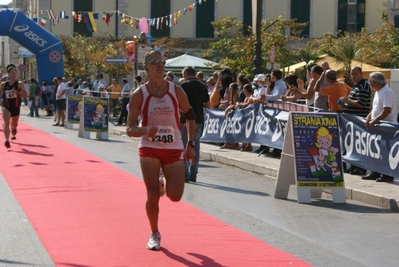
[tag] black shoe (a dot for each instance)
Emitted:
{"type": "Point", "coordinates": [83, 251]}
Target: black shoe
{"type": "Point", "coordinates": [372, 176]}
{"type": "Point", "coordinates": [358, 171]}
{"type": "Point", "coordinates": [385, 178]}
{"type": "Point", "coordinates": [351, 168]}
{"type": "Point", "coordinates": [276, 153]}
{"type": "Point", "coordinates": [7, 144]}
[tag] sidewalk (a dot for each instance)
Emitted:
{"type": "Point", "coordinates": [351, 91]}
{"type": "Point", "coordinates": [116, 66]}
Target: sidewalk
{"type": "Point", "coordinates": [384, 195]}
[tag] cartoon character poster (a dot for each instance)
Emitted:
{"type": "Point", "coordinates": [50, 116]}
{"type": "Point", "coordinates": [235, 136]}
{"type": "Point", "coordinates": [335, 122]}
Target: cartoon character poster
{"type": "Point", "coordinates": [75, 109]}
{"type": "Point", "coordinates": [317, 150]}
{"type": "Point", "coordinates": [95, 114]}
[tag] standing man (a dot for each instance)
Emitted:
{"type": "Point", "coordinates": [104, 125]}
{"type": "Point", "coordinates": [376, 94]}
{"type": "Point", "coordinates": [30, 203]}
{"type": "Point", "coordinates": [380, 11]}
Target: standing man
{"type": "Point", "coordinates": [11, 91]}
{"type": "Point", "coordinates": [99, 80]}
{"type": "Point", "coordinates": [357, 103]}
{"type": "Point", "coordinates": [158, 103]}
{"type": "Point", "coordinates": [60, 99]}
{"type": "Point", "coordinates": [384, 109]}
{"type": "Point", "coordinates": [126, 89]}
{"type": "Point", "coordinates": [115, 90]}
{"type": "Point", "coordinates": [198, 97]}
{"type": "Point", "coordinates": [279, 89]}
{"type": "Point", "coordinates": [32, 98]}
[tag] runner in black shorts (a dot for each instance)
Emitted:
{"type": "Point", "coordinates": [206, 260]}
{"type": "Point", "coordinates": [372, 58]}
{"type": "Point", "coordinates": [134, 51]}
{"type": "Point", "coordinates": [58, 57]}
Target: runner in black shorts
{"type": "Point", "coordinates": [11, 90]}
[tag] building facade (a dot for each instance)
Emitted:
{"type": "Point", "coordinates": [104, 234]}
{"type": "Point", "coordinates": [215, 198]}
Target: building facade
{"type": "Point", "coordinates": [191, 18]}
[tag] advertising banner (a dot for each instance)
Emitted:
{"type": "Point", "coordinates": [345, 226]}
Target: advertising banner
{"type": "Point", "coordinates": [95, 114]}
{"type": "Point", "coordinates": [374, 149]}
{"type": "Point", "coordinates": [75, 109]}
{"type": "Point", "coordinates": [317, 150]}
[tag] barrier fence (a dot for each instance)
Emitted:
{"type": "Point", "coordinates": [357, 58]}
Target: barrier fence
{"type": "Point", "coordinates": [375, 149]}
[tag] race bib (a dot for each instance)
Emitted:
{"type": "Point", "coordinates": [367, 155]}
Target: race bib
{"type": "Point", "coordinates": [165, 134]}
{"type": "Point", "coordinates": [11, 94]}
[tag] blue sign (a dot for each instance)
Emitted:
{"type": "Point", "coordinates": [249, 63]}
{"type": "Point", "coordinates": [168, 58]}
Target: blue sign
{"type": "Point", "coordinates": [117, 60]}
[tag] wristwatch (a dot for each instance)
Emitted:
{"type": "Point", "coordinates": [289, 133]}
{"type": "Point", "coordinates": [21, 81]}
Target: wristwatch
{"type": "Point", "coordinates": [191, 143]}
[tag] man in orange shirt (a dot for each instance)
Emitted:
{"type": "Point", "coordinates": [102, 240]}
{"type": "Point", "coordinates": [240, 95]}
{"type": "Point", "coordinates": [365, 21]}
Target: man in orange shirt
{"type": "Point", "coordinates": [335, 90]}
{"type": "Point", "coordinates": [115, 89]}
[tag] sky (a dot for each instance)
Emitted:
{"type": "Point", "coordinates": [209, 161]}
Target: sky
{"type": "Point", "coordinates": [5, 2]}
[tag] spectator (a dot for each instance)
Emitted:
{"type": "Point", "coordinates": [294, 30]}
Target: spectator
{"type": "Point", "coordinates": [201, 77]}
{"type": "Point", "coordinates": [210, 83]}
{"type": "Point", "coordinates": [319, 101]}
{"type": "Point", "coordinates": [357, 103]}
{"type": "Point", "coordinates": [85, 91]}
{"type": "Point", "coordinates": [335, 90]}
{"type": "Point", "coordinates": [103, 93]}
{"type": "Point", "coordinates": [241, 81]}
{"type": "Point", "coordinates": [61, 102]}
{"type": "Point", "coordinates": [292, 93]}
{"type": "Point", "coordinates": [99, 80]}
{"type": "Point", "coordinates": [138, 82]}
{"type": "Point", "coordinates": [198, 99]}
{"type": "Point", "coordinates": [248, 91]}
{"type": "Point", "coordinates": [32, 99]}
{"type": "Point", "coordinates": [234, 95]}
{"type": "Point", "coordinates": [261, 82]}
{"type": "Point", "coordinates": [384, 109]}
{"type": "Point", "coordinates": [280, 89]}
{"type": "Point", "coordinates": [125, 97]}
{"type": "Point", "coordinates": [115, 90]}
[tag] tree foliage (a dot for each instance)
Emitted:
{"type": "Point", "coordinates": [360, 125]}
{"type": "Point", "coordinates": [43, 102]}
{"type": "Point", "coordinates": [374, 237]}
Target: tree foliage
{"type": "Point", "coordinates": [236, 50]}
{"type": "Point", "coordinates": [85, 57]}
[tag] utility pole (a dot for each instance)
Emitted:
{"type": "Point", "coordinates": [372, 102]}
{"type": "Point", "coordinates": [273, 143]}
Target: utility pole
{"type": "Point", "coordinates": [258, 60]}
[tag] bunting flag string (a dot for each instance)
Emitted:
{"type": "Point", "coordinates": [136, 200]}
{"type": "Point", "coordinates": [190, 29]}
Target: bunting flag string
{"type": "Point", "coordinates": [89, 17]}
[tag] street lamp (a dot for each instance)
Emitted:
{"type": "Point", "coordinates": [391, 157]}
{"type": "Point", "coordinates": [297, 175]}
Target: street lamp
{"type": "Point", "coordinates": [257, 28]}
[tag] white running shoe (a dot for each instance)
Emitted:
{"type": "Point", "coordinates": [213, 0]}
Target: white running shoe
{"type": "Point", "coordinates": [162, 182]}
{"type": "Point", "coordinates": [155, 241]}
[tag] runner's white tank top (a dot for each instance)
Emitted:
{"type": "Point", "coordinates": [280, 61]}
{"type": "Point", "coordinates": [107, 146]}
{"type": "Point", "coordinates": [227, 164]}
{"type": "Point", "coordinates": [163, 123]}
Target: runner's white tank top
{"type": "Point", "coordinates": [162, 112]}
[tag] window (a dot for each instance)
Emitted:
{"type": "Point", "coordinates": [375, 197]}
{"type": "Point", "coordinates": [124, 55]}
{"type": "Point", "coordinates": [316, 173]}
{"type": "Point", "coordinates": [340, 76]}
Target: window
{"type": "Point", "coordinates": [351, 15]}
{"type": "Point", "coordinates": [247, 16]}
{"type": "Point", "coordinates": [83, 6]}
{"type": "Point", "coordinates": [205, 15]}
{"type": "Point", "coordinates": [300, 10]}
{"type": "Point", "coordinates": [160, 8]}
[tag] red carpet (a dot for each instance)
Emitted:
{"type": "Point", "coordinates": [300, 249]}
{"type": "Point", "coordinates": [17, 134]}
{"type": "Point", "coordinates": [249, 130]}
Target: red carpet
{"type": "Point", "coordinates": [88, 212]}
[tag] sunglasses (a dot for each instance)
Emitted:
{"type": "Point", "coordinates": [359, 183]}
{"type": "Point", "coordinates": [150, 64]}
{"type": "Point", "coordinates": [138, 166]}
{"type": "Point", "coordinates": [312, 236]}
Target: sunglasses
{"type": "Point", "coordinates": [156, 62]}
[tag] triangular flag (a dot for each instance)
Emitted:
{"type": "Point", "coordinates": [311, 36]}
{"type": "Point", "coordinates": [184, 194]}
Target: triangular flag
{"type": "Point", "coordinates": [92, 21]}
{"type": "Point", "coordinates": [63, 15]}
{"type": "Point", "coordinates": [95, 16]}
{"type": "Point", "coordinates": [107, 18]}
{"type": "Point", "coordinates": [55, 21]}
{"type": "Point", "coordinates": [87, 20]}
{"type": "Point", "coordinates": [43, 21]}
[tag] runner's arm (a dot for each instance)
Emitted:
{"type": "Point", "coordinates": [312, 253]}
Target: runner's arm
{"type": "Point", "coordinates": [21, 90]}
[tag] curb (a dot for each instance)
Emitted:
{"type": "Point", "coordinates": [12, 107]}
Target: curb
{"type": "Point", "coordinates": [271, 173]}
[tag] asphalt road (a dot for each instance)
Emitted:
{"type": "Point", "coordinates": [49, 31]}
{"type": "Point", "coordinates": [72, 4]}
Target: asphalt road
{"type": "Point", "coordinates": [321, 233]}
